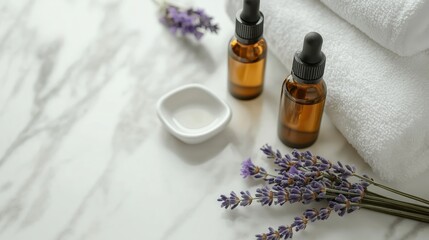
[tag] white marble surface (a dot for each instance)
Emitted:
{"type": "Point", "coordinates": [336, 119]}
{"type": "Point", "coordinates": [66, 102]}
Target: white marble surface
{"type": "Point", "coordinates": [83, 155]}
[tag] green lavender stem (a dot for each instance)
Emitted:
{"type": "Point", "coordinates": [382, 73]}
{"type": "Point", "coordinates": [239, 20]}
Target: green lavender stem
{"type": "Point", "coordinates": [419, 199]}
{"type": "Point", "coordinates": [418, 206]}
{"type": "Point", "coordinates": [414, 209]}
{"type": "Point", "coordinates": [398, 203]}
{"type": "Point", "coordinates": [381, 200]}
{"type": "Point", "coordinates": [378, 197]}
{"type": "Point", "coordinates": [373, 193]}
{"type": "Point", "coordinates": [395, 212]}
{"type": "Point", "coordinates": [378, 185]}
{"type": "Point", "coordinates": [392, 190]}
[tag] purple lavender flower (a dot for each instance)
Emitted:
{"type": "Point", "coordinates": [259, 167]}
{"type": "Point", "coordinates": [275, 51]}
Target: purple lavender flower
{"type": "Point", "coordinates": [206, 21]}
{"type": "Point", "coordinates": [315, 166]}
{"type": "Point", "coordinates": [283, 162]}
{"type": "Point", "coordinates": [324, 213]}
{"type": "Point", "coordinates": [225, 201]}
{"type": "Point", "coordinates": [341, 209]}
{"type": "Point", "coordinates": [319, 187]}
{"type": "Point", "coordinates": [249, 169]}
{"type": "Point", "coordinates": [358, 188]}
{"type": "Point", "coordinates": [283, 181]}
{"type": "Point", "coordinates": [342, 185]}
{"type": "Point", "coordinates": [294, 170]}
{"type": "Point", "coordinates": [295, 154]}
{"type": "Point", "coordinates": [300, 179]}
{"type": "Point", "coordinates": [364, 183]}
{"type": "Point", "coordinates": [273, 234]}
{"type": "Point", "coordinates": [262, 236]}
{"type": "Point", "coordinates": [342, 205]}
{"type": "Point", "coordinates": [188, 21]}
{"type": "Point", "coordinates": [268, 150]}
{"type": "Point", "coordinates": [323, 163]}
{"type": "Point", "coordinates": [295, 195]}
{"type": "Point", "coordinates": [308, 195]}
{"type": "Point", "coordinates": [246, 198]}
{"type": "Point", "coordinates": [281, 194]}
{"type": "Point", "coordinates": [312, 214]}
{"type": "Point", "coordinates": [234, 200]}
{"type": "Point", "coordinates": [285, 232]}
{"type": "Point", "coordinates": [300, 223]}
{"type": "Point", "coordinates": [343, 172]}
{"type": "Point", "coordinates": [265, 195]}
{"type": "Point", "coordinates": [293, 178]}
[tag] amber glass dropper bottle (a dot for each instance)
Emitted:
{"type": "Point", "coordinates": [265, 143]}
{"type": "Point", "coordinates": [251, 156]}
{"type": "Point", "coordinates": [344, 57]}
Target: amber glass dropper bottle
{"type": "Point", "coordinates": [303, 95]}
{"type": "Point", "coordinates": [247, 53]}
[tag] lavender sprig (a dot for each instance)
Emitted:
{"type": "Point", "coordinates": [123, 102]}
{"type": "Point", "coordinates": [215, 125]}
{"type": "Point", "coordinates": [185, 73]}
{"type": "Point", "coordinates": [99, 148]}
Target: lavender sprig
{"type": "Point", "coordinates": [299, 223]}
{"type": "Point", "coordinates": [277, 195]}
{"type": "Point", "coordinates": [304, 177]}
{"type": "Point", "coordinates": [249, 169]}
{"type": "Point", "coordinates": [188, 21]}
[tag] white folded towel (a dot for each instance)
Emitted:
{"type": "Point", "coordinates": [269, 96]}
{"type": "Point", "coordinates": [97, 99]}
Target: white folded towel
{"type": "Point", "coordinates": [378, 100]}
{"type": "Point", "coordinates": [400, 25]}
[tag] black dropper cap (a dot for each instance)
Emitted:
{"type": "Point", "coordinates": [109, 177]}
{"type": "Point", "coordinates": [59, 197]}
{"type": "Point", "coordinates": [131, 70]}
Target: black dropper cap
{"type": "Point", "coordinates": [309, 64]}
{"type": "Point", "coordinates": [249, 23]}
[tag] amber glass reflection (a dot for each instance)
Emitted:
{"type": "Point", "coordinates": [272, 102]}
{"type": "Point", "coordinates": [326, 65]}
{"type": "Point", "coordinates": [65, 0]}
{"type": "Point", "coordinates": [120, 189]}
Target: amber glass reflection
{"type": "Point", "coordinates": [300, 113]}
{"type": "Point", "coordinates": [246, 68]}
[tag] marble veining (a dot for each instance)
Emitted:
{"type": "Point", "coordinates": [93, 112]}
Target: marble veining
{"type": "Point", "coordinates": [84, 156]}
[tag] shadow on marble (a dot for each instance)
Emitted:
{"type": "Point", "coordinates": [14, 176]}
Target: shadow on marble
{"type": "Point", "coordinates": [411, 233]}
{"type": "Point", "coordinates": [196, 154]}
{"type": "Point", "coordinates": [251, 216]}
{"type": "Point", "coordinates": [246, 121]}
{"type": "Point", "coordinates": [194, 52]}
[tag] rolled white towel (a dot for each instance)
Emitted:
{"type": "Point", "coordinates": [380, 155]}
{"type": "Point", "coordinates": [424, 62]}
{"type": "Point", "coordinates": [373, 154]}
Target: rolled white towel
{"type": "Point", "coordinates": [400, 25]}
{"type": "Point", "coordinates": [378, 100]}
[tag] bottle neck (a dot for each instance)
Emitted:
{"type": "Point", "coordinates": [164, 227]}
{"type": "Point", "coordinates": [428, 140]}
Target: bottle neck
{"type": "Point", "coordinates": [249, 33]}
{"type": "Point", "coordinates": [305, 81]}
{"type": "Point", "coordinates": [247, 43]}
{"type": "Point", "coordinates": [244, 41]}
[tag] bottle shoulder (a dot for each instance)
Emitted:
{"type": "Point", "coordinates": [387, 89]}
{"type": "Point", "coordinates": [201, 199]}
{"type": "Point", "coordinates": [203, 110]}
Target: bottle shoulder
{"type": "Point", "coordinates": [247, 52]}
{"type": "Point", "coordinates": [304, 92]}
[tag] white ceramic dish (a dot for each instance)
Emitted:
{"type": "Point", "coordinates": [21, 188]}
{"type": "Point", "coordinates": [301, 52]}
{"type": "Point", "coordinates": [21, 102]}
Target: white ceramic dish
{"type": "Point", "coordinates": [193, 113]}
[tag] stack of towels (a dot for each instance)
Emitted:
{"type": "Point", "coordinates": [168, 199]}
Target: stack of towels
{"type": "Point", "coordinates": [377, 72]}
